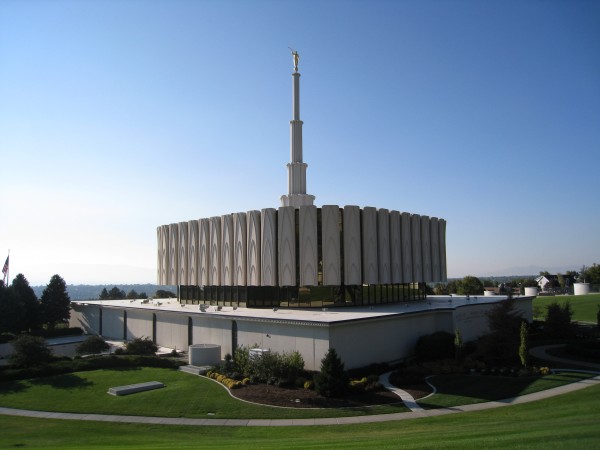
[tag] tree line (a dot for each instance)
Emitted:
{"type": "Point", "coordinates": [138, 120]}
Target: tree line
{"type": "Point", "coordinates": [119, 294]}
{"type": "Point", "coordinates": [22, 311]}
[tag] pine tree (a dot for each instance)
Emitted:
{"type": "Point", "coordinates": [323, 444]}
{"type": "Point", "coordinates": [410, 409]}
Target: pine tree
{"type": "Point", "coordinates": [56, 302]}
{"type": "Point", "coordinates": [524, 345]}
{"type": "Point", "coordinates": [332, 381]}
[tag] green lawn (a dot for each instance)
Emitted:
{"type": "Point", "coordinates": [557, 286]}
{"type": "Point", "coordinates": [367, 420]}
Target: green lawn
{"type": "Point", "coordinates": [455, 390]}
{"type": "Point", "coordinates": [585, 307]}
{"type": "Point", "coordinates": [185, 395]}
{"type": "Point", "coordinates": [566, 421]}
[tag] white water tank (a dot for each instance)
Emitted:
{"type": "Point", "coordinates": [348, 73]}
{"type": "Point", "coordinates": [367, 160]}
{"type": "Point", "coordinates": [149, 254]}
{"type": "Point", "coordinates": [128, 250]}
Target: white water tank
{"type": "Point", "coordinates": [531, 292]}
{"type": "Point", "coordinates": [581, 288]}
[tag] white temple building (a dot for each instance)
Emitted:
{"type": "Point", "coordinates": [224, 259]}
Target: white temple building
{"type": "Point", "coordinates": [298, 277]}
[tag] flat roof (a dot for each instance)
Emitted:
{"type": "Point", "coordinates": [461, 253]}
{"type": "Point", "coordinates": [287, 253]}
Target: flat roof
{"type": "Point", "coordinates": [324, 316]}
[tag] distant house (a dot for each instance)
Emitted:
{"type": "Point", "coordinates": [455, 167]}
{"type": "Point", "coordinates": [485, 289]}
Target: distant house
{"type": "Point", "coordinates": [549, 282]}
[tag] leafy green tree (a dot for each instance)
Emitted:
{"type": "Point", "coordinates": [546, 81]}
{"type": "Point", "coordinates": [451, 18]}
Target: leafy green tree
{"type": "Point", "coordinates": [592, 274]}
{"type": "Point", "coordinates": [116, 294]}
{"type": "Point", "coordinates": [502, 343]}
{"type": "Point", "coordinates": [524, 344]}
{"type": "Point", "coordinates": [92, 346]}
{"type": "Point", "coordinates": [11, 311]}
{"type": "Point", "coordinates": [104, 294]}
{"type": "Point", "coordinates": [30, 305]}
{"type": "Point", "coordinates": [441, 289]}
{"type": "Point", "coordinates": [458, 344]}
{"type": "Point", "coordinates": [143, 295]}
{"type": "Point", "coordinates": [132, 295]}
{"type": "Point", "coordinates": [55, 302]}
{"type": "Point", "coordinates": [470, 285]}
{"type": "Point", "coordinates": [29, 351]}
{"type": "Point", "coordinates": [332, 380]}
{"type": "Point", "coordinates": [161, 293]}
{"type": "Point", "coordinates": [558, 320]}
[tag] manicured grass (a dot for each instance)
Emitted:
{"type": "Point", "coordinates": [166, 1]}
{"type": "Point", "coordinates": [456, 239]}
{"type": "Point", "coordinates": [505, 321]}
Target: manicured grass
{"type": "Point", "coordinates": [565, 421]}
{"type": "Point", "coordinates": [455, 390]}
{"type": "Point", "coordinates": [185, 395]}
{"type": "Point", "coordinates": [585, 307]}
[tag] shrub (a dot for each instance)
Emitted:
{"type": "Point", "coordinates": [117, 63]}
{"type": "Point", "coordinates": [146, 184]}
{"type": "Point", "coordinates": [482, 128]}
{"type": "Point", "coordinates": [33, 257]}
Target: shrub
{"type": "Point", "coordinates": [141, 346]}
{"type": "Point", "coordinates": [58, 331]}
{"type": "Point", "coordinates": [92, 345]}
{"type": "Point", "coordinates": [524, 345]}
{"type": "Point", "coordinates": [438, 345]}
{"type": "Point", "coordinates": [558, 320]}
{"type": "Point", "coordinates": [332, 380]}
{"type": "Point", "coordinates": [29, 351]}
{"type": "Point", "coordinates": [308, 384]}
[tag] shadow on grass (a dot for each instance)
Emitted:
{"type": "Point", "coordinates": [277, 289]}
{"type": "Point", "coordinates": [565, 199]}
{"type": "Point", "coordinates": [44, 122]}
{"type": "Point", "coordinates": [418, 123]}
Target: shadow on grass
{"type": "Point", "coordinates": [67, 381]}
{"type": "Point", "coordinates": [12, 387]}
{"type": "Point", "coordinates": [468, 389]}
{"type": "Point", "coordinates": [455, 390]}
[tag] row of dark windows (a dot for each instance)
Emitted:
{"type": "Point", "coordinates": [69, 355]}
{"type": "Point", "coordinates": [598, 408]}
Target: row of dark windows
{"type": "Point", "coordinates": [302, 297]}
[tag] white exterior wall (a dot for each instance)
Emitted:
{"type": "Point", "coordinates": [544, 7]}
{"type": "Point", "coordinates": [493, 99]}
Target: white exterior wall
{"type": "Point", "coordinates": [85, 317]}
{"type": "Point", "coordinates": [259, 248]}
{"type": "Point", "coordinates": [383, 246]}
{"type": "Point", "coordinates": [311, 341]}
{"type": "Point", "coordinates": [240, 249]}
{"type": "Point", "coordinates": [330, 244]}
{"type": "Point", "coordinates": [193, 235]}
{"type": "Point", "coordinates": [426, 249]}
{"type": "Point", "coordinates": [214, 276]}
{"type": "Point", "coordinates": [112, 323]}
{"type": "Point", "coordinates": [139, 324]}
{"type": "Point", "coordinates": [253, 270]}
{"type": "Point", "coordinates": [286, 245]}
{"type": "Point", "coordinates": [159, 257]}
{"type": "Point", "coordinates": [369, 246]}
{"type": "Point", "coordinates": [442, 234]}
{"type": "Point", "coordinates": [360, 344]}
{"type": "Point", "coordinates": [227, 250]}
{"type": "Point", "coordinates": [417, 259]}
{"type": "Point", "coordinates": [268, 247]}
{"type": "Point", "coordinates": [182, 230]}
{"type": "Point", "coordinates": [352, 247]}
{"type": "Point", "coordinates": [173, 254]}
{"type": "Point", "coordinates": [204, 265]}
{"type": "Point", "coordinates": [435, 250]}
{"type": "Point", "coordinates": [406, 236]}
{"type": "Point", "coordinates": [171, 330]}
{"type": "Point", "coordinates": [309, 264]}
{"type": "Point", "coordinates": [396, 247]}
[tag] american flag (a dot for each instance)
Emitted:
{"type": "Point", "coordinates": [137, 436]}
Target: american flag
{"type": "Point", "coordinates": [5, 268]}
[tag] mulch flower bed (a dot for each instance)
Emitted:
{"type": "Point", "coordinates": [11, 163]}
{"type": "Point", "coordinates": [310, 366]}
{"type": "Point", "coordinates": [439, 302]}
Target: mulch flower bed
{"type": "Point", "coordinates": [307, 398]}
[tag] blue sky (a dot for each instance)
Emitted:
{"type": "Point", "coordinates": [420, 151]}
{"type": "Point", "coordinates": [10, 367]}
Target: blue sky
{"type": "Point", "coordinates": [119, 116]}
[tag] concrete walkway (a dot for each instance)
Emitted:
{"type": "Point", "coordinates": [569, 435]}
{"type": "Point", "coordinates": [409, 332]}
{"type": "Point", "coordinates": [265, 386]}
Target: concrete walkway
{"type": "Point", "coordinates": [408, 399]}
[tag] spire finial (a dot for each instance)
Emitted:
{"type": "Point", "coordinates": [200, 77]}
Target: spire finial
{"type": "Point", "coordinates": [296, 58]}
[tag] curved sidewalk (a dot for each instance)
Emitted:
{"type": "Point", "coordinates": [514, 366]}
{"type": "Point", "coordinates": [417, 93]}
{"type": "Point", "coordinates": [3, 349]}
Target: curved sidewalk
{"type": "Point", "coordinates": [540, 352]}
{"type": "Point", "coordinates": [304, 422]}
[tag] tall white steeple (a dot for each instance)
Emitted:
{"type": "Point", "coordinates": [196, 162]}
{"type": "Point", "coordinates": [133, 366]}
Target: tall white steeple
{"type": "Point", "coordinates": [297, 195]}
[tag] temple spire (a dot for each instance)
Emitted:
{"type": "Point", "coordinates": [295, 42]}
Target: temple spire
{"type": "Point", "coordinates": [297, 195]}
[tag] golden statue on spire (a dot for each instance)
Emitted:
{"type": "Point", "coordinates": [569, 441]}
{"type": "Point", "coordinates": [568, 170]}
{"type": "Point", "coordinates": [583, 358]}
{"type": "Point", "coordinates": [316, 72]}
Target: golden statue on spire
{"type": "Point", "coordinates": [296, 58]}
